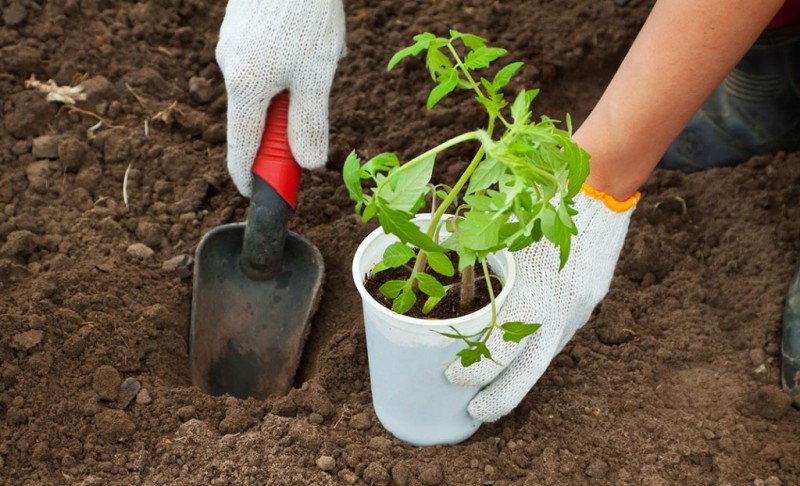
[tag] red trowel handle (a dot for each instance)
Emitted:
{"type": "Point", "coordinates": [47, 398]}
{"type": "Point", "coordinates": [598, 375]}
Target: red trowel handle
{"type": "Point", "coordinates": [276, 178]}
{"type": "Point", "coordinates": [274, 162]}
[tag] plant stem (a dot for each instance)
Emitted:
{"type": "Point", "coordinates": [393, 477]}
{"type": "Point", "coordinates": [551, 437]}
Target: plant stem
{"type": "Point", "coordinates": [442, 146]}
{"type": "Point", "coordinates": [462, 181]}
{"type": "Point", "coordinates": [467, 287]}
{"type": "Point", "coordinates": [468, 76]}
{"type": "Point", "coordinates": [491, 299]}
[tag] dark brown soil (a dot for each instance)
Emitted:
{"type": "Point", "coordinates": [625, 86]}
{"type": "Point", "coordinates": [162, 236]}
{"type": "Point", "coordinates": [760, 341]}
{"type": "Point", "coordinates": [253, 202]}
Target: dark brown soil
{"type": "Point", "coordinates": [673, 381]}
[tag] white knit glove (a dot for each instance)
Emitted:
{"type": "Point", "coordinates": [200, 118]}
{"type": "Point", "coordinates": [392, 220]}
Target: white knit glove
{"type": "Point", "coordinates": [562, 301]}
{"type": "Point", "coordinates": [267, 46]}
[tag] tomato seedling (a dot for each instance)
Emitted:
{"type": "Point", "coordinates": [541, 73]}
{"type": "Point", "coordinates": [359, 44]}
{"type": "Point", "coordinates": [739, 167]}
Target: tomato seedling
{"type": "Point", "coordinates": [517, 189]}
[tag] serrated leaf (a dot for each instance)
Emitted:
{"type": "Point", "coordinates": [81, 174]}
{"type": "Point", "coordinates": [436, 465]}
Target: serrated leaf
{"type": "Point", "coordinates": [430, 286]}
{"type": "Point", "coordinates": [408, 184]}
{"type": "Point", "coordinates": [517, 331]}
{"type": "Point", "coordinates": [486, 174]}
{"type": "Point", "coordinates": [503, 76]}
{"type": "Point", "coordinates": [437, 63]}
{"type": "Point", "coordinates": [399, 224]}
{"type": "Point", "coordinates": [424, 37]}
{"type": "Point", "coordinates": [470, 40]}
{"type": "Point", "coordinates": [392, 288]}
{"type": "Point", "coordinates": [480, 231]}
{"type": "Point", "coordinates": [397, 254]}
{"type": "Point", "coordinates": [405, 301]}
{"type": "Point", "coordinates": [519, 109]}
{"type": "Point", "coordinates": [381, 162]}
{"type": "Point", "coordinates": [483, 56]}
{"type": "Point", "coordinates": [470, 356]}
{"type": "Point", "coordinates": [441, 264]}
{"type": "Point", "coordinates": [492, 107]}
{"type": "Point", "coordinates": [488, 86]}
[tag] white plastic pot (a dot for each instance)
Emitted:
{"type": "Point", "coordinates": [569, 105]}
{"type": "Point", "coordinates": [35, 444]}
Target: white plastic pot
{"type": "Point", "coordinates": [407, 356]}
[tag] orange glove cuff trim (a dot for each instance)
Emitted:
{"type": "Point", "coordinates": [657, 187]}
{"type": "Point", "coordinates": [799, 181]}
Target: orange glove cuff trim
{"type": "Point", "coordinates": [609, 201]}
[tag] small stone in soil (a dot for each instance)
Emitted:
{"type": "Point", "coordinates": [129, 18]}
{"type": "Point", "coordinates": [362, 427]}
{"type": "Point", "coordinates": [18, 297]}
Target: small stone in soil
{"type": "Point", "coordinates": [326, 463]}
{"type": "Point", "coordinates": [139, 250]}
{"type": "Point", "coordinates": [143, 397]}
{"type": "Point", "coordinates": [129, 389]}
{"type": "Point", "coordinates": [360, 421]}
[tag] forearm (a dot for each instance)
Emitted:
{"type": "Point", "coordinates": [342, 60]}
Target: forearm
{"type": "Point", "coordinates": [682, 53]}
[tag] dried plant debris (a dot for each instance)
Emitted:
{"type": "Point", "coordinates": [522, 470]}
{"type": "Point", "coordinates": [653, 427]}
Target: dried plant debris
{"type": "Point", "coordinates": [68, 95]}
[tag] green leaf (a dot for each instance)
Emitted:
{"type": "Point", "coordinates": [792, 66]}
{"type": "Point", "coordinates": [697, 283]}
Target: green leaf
{"type": "Point", "coordinates": [424, 38]}
{"type": "Point", "coordinates": [479, 202]}
{"type": "Point", "coordinates": [519, 110]}
{"type": "Point", "coordinates": [470, 356]}
{"type": "Point", "coordinates": [480, 231]}
{"type": "Point", "coordinates": [381, 162]}
{"type": "Point", "coordinates": [470, 40]}
{"type": "Point", "coordinates": [379, 267]}
{"type": "Point", "coordinates": [437, 63]}
{"type": "Point", "coordinates": [489, 87]}
{"type": "Point", "coordinates": [466, 258]}
{"type": "Point", "coordinates": [492, 107]}
{"type": "Point", "coordinates": [392, 288]}
{"type": "Point", "coordinates": [555, 231]}
{"type": "Point", "coordinates": [440, 92]}
{"type": "Point", "coordinates": [503, 77]}
{"type": "Point", "coordinates": [408, 184]}
{"type": "Point", "coordinates": [430, 286]}
{"type": "Point", "coordinates": [517, 331]}
{"type": "Point", "coordinates": [441, 264]}
{"type": "Point", "coordinates": [369, 212]}
{"type": "Point", "coordinates": [397, 254]}
{"type": "Point", "coordinates": [408, 51]}
{"type": "Point", "coordinates": [430, 304]}
{"type": "Point", "coordinates": [486, 174]}
{"type": "Point", "coordinates": [483, 56]}
{"type": "Point", "coordinates": [399, 224]}
{"type": "Point", "coordinates": [351, 179]}
{"type": "Point", "coordinates": [405, 301]}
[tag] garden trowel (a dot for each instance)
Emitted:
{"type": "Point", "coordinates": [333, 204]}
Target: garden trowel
{"type": "Point", "coordinates": [256, 285]}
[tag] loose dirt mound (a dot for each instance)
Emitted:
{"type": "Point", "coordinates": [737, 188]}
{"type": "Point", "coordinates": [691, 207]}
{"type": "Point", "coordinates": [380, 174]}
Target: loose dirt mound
{"type": "Point", "coordinates": [674, 381]}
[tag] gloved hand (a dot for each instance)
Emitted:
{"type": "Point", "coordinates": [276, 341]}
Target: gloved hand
{"type": "Point", "coordinates": [562, 301]}
{"type": "Point", "coordinates": [266, 46]}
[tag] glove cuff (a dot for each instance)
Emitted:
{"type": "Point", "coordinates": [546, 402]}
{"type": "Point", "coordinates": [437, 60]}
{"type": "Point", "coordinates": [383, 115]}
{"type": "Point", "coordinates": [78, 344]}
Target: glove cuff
{"type": "Point", "coordinates": [609, 201]}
